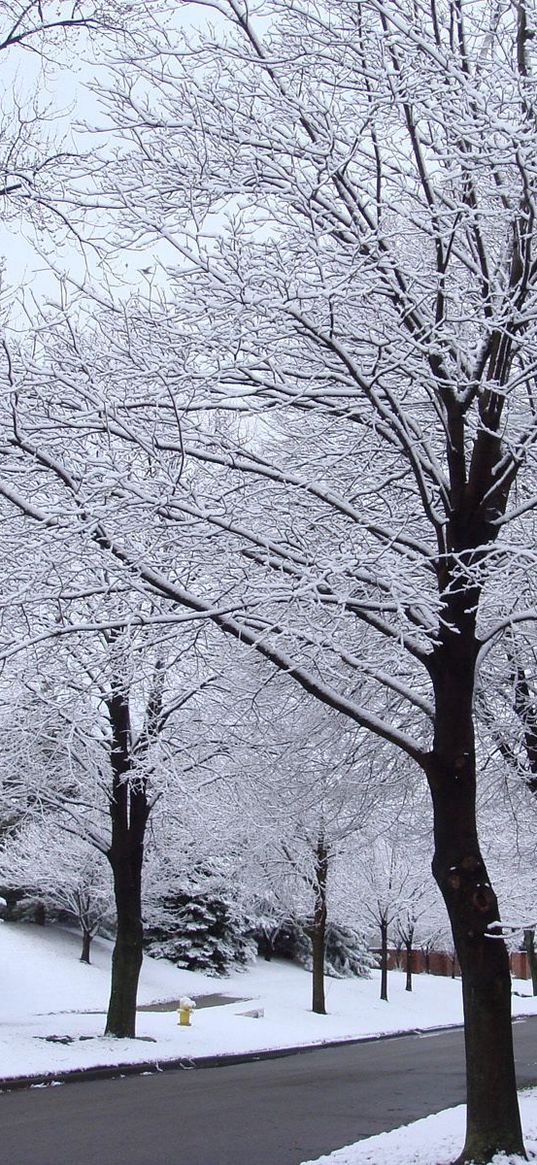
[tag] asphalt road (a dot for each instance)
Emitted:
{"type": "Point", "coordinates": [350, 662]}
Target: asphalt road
{"type": "Point", "coordinates": [272, 1112]}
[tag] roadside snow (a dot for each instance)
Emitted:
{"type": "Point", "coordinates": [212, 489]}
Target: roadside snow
{"type": "Point", "coordinates": [431, 1141]}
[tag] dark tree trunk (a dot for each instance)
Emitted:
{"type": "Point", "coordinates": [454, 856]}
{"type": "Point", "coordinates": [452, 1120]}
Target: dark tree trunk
{"type": "Point", "coordinates": [128, 949]}
{"type": "Point", "coordinates": [384, 959]}
{"type": "Point", "coordinates": [427, 957]}
{"type": "Point", "coordinates": [318, 930]}
{"type": "Point", "coordinates": [409, 961]}
{"type": "Point", "coordinates": [529, 947]}
{"type": "Point", "coordinates": [86, 947]}
{"type": "Point", "coordinates": [493, 1121]}
{"type": "Point", "coordinates": [266, 947]}
{"type": "Point", "coordinates": [128, 812]}
{"type": "Point", "coordinates": [40, 914]}
{"type": "Point", "coordinates": [318, 950]}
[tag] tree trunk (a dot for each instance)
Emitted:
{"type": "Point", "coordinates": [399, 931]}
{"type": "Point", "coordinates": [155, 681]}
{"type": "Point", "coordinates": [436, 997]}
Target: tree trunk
{"type": "Point", "coordinates": [128, 950]}
{"type": "Point", "coordinates": [86, 947]}
{"type": "Point", "coordinates": [40, 914]}
{"type": "Point", "coordinates": [529, 947]}
{"type": "Point", "coordinates": [317, 935]}
{"type": "Point", "coordinates": [318, 930]}
{"type": "Point", "coordinates": [265, 945]}
{"type": "Point", "coordinates": [493, 1121]}
{"type": "Point", "coordinates": [384, 959]}
{"type": "Point", "coordinates": [409, 953]}
{"type": "Point", "coordinates": [129, 812]}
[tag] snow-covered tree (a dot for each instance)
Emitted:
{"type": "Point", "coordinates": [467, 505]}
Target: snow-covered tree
{"type": "Point", "coordinates": [340, 200]}
{"type": "Point", "coordinates": [97, 729]}
{"type": "Point", "coordinates": [305, 788]}
{"type": "Point", "coordinates": [395, 895]}
{"type": "Point", "coordinates": [67, 873]}
{"type": "Point", "coordinates": [199, 924]}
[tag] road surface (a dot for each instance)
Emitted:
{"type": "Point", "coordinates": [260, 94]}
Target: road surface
{"type": "Point", "coordinates": [273, 1112]}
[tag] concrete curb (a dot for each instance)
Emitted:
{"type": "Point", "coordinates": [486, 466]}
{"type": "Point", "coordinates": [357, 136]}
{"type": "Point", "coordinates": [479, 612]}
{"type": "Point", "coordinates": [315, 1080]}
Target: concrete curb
{"type": "Point", "coordinates": [153, 1067]}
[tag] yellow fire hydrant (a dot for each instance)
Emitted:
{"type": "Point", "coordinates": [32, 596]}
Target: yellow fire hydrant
{"type": "Point", "coordinates": [184, 1011]}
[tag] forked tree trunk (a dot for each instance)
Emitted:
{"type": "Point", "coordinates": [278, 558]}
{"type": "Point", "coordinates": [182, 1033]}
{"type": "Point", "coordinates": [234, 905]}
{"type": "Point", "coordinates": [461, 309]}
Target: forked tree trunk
{"type": "Point", "coordinates": [493, 1121]}
{"type": "Point", "coordinates": [384, 959]}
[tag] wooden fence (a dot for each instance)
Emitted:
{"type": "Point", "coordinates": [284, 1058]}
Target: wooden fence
{"type": "Point", "coordinates": [443, 963]}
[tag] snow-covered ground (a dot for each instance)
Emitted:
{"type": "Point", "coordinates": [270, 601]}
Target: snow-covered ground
{"type": "Point", "coordinates": [430, 1141]}
{"type": "Point", "coordinates": [52, 1013]}
{"type": "Point", "coordinates": [47, 995]}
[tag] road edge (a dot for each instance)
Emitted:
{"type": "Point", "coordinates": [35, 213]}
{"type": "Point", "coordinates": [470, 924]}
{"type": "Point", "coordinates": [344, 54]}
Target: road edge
{"type": "Point", "coordinates": [186, 1063]}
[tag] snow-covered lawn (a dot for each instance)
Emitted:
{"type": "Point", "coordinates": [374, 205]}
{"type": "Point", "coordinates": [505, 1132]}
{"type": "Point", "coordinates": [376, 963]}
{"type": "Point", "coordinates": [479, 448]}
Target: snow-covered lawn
{"type": "Point", "coordinates": [46, 992]}
{"type": "Point", "coordinates": [52, 1013]}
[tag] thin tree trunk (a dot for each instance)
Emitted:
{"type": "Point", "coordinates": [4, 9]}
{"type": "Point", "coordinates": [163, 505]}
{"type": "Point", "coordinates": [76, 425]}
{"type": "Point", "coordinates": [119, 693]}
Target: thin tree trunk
{"type": "Point", "coordinates": [317, 935]}
{"type": "Point", "coordinates": [318, 930]}
{"type": "Point", "coordinates": [409, 960]}
{"type": "Point", "coordinates": [86, 947]}
{"type": "Point", "coordinates": [526, 709]}
{"type": "Point", "coordinates": [529, 947]}
{"type": "Point", "coordinates": [384, 959]}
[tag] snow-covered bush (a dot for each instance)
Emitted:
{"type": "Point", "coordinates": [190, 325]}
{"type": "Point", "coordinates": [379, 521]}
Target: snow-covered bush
{"type": "Point", "coordinates": [346, 956]}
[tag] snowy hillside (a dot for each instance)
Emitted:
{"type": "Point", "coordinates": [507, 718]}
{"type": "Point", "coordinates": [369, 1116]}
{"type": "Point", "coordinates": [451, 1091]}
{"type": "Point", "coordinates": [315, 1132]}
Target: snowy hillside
{"type": "Point", "coordinates": [52, 1007]}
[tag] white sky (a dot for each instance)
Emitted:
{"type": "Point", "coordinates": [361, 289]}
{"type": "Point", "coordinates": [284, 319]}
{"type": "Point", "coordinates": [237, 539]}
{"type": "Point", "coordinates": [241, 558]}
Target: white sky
{"type": "Point", "coordinates": [62, 87]}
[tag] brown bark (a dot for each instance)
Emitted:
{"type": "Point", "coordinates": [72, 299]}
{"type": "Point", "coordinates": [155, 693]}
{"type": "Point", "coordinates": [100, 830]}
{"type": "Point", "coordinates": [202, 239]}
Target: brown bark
{"type": "Point", "coordinates": [493, 1121]}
